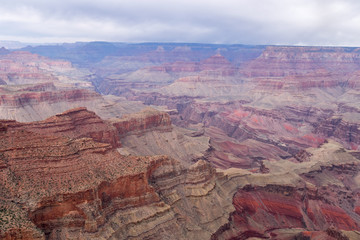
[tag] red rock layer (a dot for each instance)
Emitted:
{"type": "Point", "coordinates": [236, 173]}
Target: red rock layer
{"type": "Point", "coordinates": [261, 210]}
{"type": "Point", "coordinates": [75, 123]}
{"type": "Point", "coordinates": [88, 210]}
{"type": "Point", "coordinates": [33, 95]}
{"type": "Point", "coordinates": [139, 122]}
{"type": "Point", "coordinates": [62, 178]}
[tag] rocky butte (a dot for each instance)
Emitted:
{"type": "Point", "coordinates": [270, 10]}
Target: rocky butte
{"type": "Point", "coordinates": [179, 141]}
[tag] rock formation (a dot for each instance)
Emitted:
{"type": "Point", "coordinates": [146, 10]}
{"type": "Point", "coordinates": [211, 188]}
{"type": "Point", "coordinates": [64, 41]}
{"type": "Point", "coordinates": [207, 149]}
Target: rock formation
{"type": "Point", "coordinates": [61, 182]}
{"type": "Point", "coordinates": [284, 207]}
{"type": "Point", "coordinates": [239, 142]}
{"type": "Point", "coordinates": [67, 186]}
{"type": "Point", "coordinates": [139, 122]}
{"type": "Point", "coordinates": [74, 123]}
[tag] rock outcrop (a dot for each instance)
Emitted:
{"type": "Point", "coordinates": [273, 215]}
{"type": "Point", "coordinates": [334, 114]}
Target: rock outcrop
{"type": "Point", "coordinates": [60, 184]}
{"type": "Point", "coordinates": [74, 123]}
{"type": "Point", "coordinates": [147, 119]}
{"type": "Point", "coordinates": [241, 169]}
{"type": "Point", "coordinates": [297, 199]}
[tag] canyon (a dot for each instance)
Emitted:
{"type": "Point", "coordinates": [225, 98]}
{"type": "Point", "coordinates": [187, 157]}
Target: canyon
{"type": "Point", "coordinates": [179, 141]}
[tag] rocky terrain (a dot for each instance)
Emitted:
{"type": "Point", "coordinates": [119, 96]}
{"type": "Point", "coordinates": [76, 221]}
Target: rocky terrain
{"type": "Point", "coordinates": [179, 141]}
{"type": "Point", "coordinates": [60, 185]}
{"type": "Point", "coordinates": [36, 87]}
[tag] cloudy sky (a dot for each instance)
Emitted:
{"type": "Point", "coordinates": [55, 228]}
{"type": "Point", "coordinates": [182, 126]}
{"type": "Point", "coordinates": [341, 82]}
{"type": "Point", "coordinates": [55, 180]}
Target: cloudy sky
{"type": "Point", "coordinates": [291, 22]}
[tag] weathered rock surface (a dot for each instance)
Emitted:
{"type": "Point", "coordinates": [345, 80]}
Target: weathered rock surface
{"type": "Point", "coordinates": [284, 61]}
{"type": "Point", "coordinates": [178, 143]}
{"type": "Point", "coordinates": [288, 99]}
{"type": "Point", "coordinates": [319, 196]}
{"type": "Point", "coordinates": [74, 123]}
{"type": "Point", "coordinates": [213, 69]}
{"type": "Point", "coordinates": [35, 88]}
{"type": "Point", "coordinates": [242, 109]}
{"type": "Point", "coordinates": [148, 118]}
{"type": "Point", "coordinates": [22, 67]}
{"type": "Point", "coordinates": [36, 102]}
{"type": "Point", "coordinates": [58, 184]}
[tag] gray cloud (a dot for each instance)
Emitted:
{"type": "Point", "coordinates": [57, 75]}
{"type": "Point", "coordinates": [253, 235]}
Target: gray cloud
{"type": "Point", "coordinates": [302, 22]}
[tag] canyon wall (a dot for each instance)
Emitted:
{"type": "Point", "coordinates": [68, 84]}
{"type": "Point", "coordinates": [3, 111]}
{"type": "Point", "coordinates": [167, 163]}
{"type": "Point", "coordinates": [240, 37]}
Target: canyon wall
{"type": "Point", "coordinates": [260, 136]}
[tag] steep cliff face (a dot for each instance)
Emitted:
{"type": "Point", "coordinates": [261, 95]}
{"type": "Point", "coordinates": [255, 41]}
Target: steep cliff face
{"type": "Point", "coordinates": [147, 119]}
{"type": "Point", "coordinates": [37, 166]}
{"type": "Point", "coordinates": [150, 132]}
{"type": "Point", "coordinates": [74, 123]}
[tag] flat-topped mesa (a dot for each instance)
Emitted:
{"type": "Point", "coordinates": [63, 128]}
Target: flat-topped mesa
{"type": "Point", "coordinates": [74, 123]}
{"type": "Point", "coordinates": [304, 67]}
{"type": "Point", "coordinates": [147, 119]}
{"type": "Point", "coordinates": [212, 63]}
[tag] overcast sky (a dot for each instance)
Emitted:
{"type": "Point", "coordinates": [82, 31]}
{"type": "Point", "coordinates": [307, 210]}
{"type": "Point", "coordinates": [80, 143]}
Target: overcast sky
{"type": "Point", "coordinates": [291, 22]}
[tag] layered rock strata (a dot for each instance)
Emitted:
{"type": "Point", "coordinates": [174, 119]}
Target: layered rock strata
{"type": "Point", "coordinates": [148, 118]}
{"type": "Point", "coordinates": [60, 182]}
{"type": "Point", "coordinates": [317, 197]}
